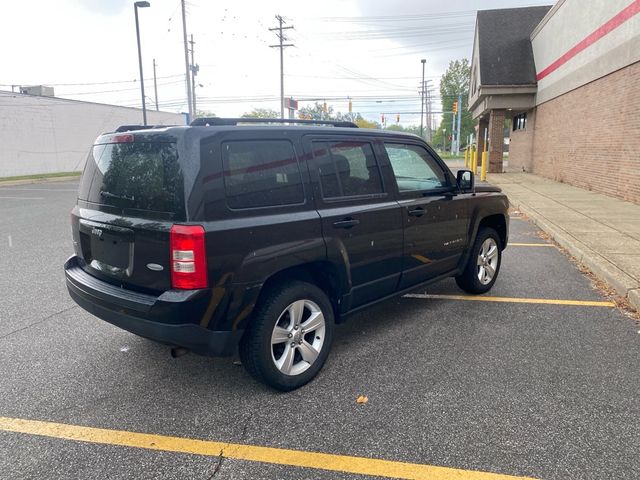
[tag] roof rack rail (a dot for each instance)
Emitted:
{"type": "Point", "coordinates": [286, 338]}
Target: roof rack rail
{"type": "Point", "coordinates": [217, 121]}
{"type": "Point", "coordinates": [130, 128]}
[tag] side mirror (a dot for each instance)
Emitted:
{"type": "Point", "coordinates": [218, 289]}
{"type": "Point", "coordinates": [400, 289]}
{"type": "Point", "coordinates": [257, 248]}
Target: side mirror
{"type": "Point", "coordinates": [465, 180]}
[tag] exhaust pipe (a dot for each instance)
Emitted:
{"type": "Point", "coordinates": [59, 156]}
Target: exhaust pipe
{"type": "Point", "coordinates": [179, 351]}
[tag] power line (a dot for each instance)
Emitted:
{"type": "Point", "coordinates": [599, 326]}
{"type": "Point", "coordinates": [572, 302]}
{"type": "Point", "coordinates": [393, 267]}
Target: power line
{"type": "Point", "coordinates": [135, 80]}
{"type": "Point", "coordinates": [119, 90]}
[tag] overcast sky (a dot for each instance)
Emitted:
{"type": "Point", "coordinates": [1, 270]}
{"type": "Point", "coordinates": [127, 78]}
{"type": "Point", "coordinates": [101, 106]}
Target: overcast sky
{"type": "Point", "coordinates": [367, 50]}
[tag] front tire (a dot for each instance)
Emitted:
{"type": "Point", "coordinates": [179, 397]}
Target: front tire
{"type": "Point", "coordinates": [484, 263]}
{"type": "Point", "coordinates": [290, 336]}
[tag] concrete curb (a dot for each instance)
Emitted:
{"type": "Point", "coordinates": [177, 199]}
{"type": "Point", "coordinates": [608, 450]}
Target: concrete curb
{"type": "Point", "coordinates": [623, 284]}
{"type": "Point", "coordinates": [29, 181]}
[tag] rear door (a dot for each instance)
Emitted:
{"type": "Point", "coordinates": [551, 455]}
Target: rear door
{"type": "Point", "coordinates": [258, 213]}
{"type": "Point", "coordinates": [131, 192]}
{"type": "Point", "coordinates": [361, 221]}
{"type": "Point", "coordinates": [435, 217]}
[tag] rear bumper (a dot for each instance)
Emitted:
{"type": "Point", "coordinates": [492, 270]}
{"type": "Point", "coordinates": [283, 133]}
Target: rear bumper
{"type": "Point", "coordinates": [161, 318]}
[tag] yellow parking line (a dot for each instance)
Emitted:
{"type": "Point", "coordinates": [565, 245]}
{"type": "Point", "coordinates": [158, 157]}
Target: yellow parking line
{"type": "Point", "coordinates": [512, 244]}
{"type": "Point", "coordinates": [279, 456]}
{"type": "Point", "coordinates": [548, 301]}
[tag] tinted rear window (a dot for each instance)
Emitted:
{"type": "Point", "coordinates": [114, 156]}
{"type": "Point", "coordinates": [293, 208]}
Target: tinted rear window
{"type": "Point", "coordinates": [261, 173]}
{"type": "Point", "coordinates": [137, 177]}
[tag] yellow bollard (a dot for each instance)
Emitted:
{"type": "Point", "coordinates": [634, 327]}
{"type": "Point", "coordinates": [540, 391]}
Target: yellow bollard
{"type": "Point", "coordinates": [483, 169]}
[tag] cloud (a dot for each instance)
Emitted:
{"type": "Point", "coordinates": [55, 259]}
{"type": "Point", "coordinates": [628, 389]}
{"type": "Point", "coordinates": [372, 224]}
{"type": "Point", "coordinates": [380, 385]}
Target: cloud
{"type": "Point", "coordinates": [105, 7]}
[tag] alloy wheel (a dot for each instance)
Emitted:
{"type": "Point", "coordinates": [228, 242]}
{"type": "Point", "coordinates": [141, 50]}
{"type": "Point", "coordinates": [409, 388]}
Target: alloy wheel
{"type": "Point", "coordinates": [487, 261]}
{"type": "Point", "coordinates": [298, 337]}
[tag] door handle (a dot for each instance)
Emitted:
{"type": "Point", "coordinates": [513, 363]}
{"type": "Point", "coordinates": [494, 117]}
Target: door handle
{"type": "Point", "coordinates": [417, 212]}
{"type": "Point", "coordinates": [346, 223]}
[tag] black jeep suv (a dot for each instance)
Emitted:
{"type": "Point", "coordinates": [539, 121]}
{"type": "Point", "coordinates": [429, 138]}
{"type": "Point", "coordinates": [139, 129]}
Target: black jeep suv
{"type": "Point", "coordinates": [228, 233]}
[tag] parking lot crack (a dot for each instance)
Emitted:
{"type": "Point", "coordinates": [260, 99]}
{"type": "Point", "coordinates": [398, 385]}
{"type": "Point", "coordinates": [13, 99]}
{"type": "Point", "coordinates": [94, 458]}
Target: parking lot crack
{"type": "Point", "coordinates": [218, 465]}
{"type": "Point", "coordinates": [48, 317]}
{"type": "Point", "coordinates": [246, 426]}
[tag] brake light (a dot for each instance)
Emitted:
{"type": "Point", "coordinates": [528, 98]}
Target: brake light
{"type": "Point", "coordinates": [123, 138]}
{"type": "Point", "coordinates": [188, 257]}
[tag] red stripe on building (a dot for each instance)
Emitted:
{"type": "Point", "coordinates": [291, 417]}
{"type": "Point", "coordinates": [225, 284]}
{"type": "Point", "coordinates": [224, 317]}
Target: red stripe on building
{"type": "Point", "coordinates": [600, 32]}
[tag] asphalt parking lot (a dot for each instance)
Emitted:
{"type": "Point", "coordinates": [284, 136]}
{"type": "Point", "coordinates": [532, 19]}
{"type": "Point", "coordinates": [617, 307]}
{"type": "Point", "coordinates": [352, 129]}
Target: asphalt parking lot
{"type": "Point", "coordinates": [540, 383]}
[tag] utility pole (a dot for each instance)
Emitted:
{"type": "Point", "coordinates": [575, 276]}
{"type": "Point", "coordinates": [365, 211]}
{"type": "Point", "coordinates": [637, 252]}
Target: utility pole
{"type": "Point", "coordinates": [194, 71]}
{"type": "Point", "coordinates": [423, 61]}
{"type": "Point", "coordinates": [186, 61]}
{"type": "Point", "coordinates": [155, 83]}
{"type": "Point", "coordinates": [459, 117]}
{"type": "Point", "coordinates": [281, 46]}
{"type": "Point", "coordinates": [428, 108]}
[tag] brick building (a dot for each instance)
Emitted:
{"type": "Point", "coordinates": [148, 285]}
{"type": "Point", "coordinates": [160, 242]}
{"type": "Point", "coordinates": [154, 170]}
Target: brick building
{"type": "Point", "coordinates": [568, 76]}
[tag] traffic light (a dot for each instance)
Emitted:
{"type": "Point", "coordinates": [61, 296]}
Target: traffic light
{"type": "Point", "coordinates": [350, 106]}
{"type": "Point", "coordinates": [455, 107]}
{"type": "Point", "coordinates": [382, 118]}
{"type": "Point", "coordinates": [398, 118]}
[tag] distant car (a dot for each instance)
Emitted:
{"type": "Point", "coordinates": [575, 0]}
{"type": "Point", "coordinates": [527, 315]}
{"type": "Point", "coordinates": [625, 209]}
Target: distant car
{"type": "Point", "coordinates": [223, 234]}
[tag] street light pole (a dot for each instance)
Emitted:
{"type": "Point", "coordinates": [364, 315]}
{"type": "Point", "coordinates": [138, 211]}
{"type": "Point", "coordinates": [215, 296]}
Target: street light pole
{"type": "Point", "coordinates": [155, 83]}
{"type": "Point", "coordinates": [422, 100]}
{"type": "Point", "coordinates": [144, 105]}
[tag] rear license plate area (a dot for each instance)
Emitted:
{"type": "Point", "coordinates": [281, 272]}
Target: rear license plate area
{"type": "Point", "coordinates": [110, 251]}
{"type": "Point", "coordinates": [107, 248]}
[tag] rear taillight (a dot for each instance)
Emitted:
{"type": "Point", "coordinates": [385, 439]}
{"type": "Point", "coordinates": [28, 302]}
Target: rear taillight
{"type": "Point", "coordinates": [188, 257]}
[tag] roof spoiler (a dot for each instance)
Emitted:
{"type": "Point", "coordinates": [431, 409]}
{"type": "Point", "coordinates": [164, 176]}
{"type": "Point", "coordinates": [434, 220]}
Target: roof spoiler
{"type": "Point", "coordinates": [217, 121]}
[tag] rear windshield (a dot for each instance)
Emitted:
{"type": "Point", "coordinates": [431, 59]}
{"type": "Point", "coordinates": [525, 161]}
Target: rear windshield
{"type": "Point", "coordinates": [138, 177]}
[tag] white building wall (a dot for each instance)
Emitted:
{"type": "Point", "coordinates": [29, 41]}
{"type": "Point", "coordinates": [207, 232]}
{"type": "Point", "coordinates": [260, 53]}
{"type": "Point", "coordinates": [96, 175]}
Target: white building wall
{"type": "Point", "coordinates": [51, 135]}
{"type": "Point", "coordinates": [570, 22]}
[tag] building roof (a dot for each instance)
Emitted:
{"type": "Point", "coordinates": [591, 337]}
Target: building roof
{"type": "Point", "coordinates": [506, 57]}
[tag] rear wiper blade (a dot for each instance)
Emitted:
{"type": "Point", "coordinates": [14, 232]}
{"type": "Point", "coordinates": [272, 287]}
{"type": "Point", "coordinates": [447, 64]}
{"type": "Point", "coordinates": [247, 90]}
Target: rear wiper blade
{"type": "Point", "coordinates": [106, 194]}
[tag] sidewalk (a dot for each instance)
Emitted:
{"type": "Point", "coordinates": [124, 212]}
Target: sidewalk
{"type": "Point", "coordinates": [601, 232]}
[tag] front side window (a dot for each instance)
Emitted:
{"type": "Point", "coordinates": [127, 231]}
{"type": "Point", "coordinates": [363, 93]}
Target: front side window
{"type": "Point", "coordinates": [347, 169]}
{"type": "Point", "coordinates": [414, 168]}
{"type": "Point", "coordinates": [261, 173]}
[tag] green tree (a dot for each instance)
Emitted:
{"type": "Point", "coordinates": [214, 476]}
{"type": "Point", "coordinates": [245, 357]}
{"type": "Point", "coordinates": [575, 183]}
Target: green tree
{"type": "Point", "coordinates": [415, 129]}
{"type": "Point", "coordinates": [261, 113]}
{"type": "Point", "coordinates": [454, 82]}
{"type": "Point", "coordinates": [316, 112]}
{"type": "Point", "coordinates": [205, 114]}
{"type": "Point", "coordinates": [363, 123]}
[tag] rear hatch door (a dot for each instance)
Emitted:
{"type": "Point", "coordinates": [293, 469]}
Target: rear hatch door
{"type": "Point", "coordinates": [131, 192]}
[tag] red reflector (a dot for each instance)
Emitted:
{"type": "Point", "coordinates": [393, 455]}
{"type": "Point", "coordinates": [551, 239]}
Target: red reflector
{"type": "Point", "coordinates": [124, 138]}
{"type": "Point", "coordinates": [188, 257]}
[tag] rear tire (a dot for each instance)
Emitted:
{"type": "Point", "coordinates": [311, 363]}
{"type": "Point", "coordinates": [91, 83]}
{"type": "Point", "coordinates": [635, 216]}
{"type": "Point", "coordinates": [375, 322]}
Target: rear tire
{"type": "Point", "coordinates": [484, 263]}
{"type": "Point", "coordinates": [289, 337]}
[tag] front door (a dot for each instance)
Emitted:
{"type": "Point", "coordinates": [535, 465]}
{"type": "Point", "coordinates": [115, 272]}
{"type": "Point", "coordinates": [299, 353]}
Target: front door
{"type": "Point", "coordinates": [361, 222]}
{"type": "Point", "coordinates": [435, 217]}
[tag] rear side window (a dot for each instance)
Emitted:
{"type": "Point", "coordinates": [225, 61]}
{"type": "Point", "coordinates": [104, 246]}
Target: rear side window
{"type": "Point", "coordinates": [347, 169]}
{"type": "Point", "coordinates": [136, 176]}
{"type": "Point", "coordinates": [261, 173]}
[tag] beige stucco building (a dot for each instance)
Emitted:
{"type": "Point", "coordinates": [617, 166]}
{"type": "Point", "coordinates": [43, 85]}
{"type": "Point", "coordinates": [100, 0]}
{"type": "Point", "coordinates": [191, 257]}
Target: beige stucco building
{"type": "Point", "coordinates": [45, 134]}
